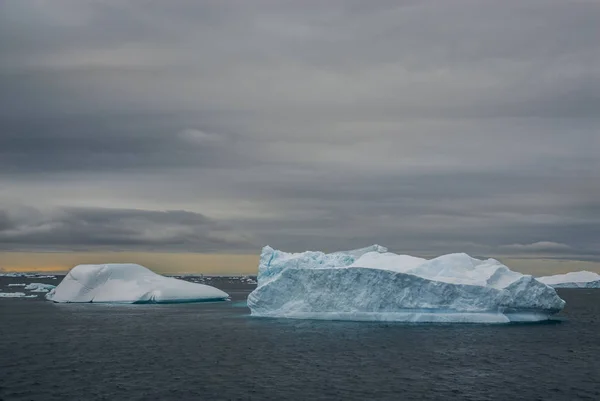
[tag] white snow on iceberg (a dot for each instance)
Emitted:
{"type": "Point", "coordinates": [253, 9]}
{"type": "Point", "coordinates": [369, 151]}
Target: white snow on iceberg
{"type": "Point", "coordinates": [582, 279]}
{"type": "Point", "coordinates": [128, 283]}
{"type": "Point", "coordinates": [372, 284]}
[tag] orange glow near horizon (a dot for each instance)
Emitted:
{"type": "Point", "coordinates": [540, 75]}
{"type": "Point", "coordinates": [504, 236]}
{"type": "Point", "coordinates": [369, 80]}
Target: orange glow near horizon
{"type": "Point", "coordinates": [222, 264]}
{"type": "Point", "coordinates": [158, 262]}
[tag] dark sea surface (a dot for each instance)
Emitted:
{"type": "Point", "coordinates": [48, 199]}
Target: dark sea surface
{"type": "Point", "coordinates": [216, 351]}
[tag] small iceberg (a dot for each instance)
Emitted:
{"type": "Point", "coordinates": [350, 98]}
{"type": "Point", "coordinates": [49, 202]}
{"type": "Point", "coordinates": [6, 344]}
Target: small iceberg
{"type": "Point", "coordinates": [16, 295]}
{"type": "Point", "coordinates": [373, 284]}
{"type": "Point", "coordinates": [39, 287]}
{"type": "Point", "coordinates": [582, 279]}
{"type": "Point", "coordinates": [128, 283]}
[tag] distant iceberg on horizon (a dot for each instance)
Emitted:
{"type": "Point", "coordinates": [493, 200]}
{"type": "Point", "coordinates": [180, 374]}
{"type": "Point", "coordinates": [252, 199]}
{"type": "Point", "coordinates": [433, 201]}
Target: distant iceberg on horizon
{"type": "Point", "coordinates": [128, 283]}
{"type": "Point", "coordinates": [376, 285]}
{"type": "Point", "coordinates": [581, 279]}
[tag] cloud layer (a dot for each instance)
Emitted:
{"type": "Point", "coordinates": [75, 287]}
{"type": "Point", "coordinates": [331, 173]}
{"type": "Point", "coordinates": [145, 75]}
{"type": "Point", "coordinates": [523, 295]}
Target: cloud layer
{"type": "Point", "coordinates": [426, 126]}
{"type": "Point", "coordinates": [122, 229]}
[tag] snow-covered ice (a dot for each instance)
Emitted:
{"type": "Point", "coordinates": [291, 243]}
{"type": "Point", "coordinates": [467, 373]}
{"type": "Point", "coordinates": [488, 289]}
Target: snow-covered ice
{"type": "Point", "coordinates": [128, 283]}
{"type": "Point", "coordinates": [582, 279]}
{"type": "Point", "coordinates": [17, 285]}
{"type": "Point", "coordinates": [16, 295]}
{"type": "Point", "coordinates": [39, 287]}
{"type": "Point", "coordinates": [373, 284]}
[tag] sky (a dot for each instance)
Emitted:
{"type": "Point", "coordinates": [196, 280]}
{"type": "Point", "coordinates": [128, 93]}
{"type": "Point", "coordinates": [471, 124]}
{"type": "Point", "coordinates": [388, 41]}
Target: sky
{"type": "Point", "coordinates": [188, 134]}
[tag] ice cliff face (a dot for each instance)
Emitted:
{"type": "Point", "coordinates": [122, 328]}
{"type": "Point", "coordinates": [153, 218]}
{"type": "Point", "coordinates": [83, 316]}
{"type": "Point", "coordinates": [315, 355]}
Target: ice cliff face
{"type": "Point", "coordinates": [128, 283]}
{"type": "Point", "coordinates": [372, 284]}
{"type": "Point", "coordinates": [582, 279]}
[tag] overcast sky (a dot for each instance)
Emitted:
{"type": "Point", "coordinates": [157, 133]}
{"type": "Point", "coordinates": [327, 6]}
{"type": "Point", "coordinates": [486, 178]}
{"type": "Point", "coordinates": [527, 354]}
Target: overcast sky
{"type": "Point", "coordinates": [222, 126]}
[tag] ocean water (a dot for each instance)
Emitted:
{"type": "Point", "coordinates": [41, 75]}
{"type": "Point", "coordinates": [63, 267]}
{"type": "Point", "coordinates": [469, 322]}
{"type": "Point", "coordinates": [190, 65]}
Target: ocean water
{"type": "Point", "coordinates": [216, 351]}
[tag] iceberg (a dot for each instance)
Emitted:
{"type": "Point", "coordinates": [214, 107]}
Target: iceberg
{"type": "Point", "coordinates": [128, 283]}
{"type": "Point", "coordinates": [39, 287]}
{"type": "Point", "coordinates": [582, 279]}
{"type": "Point", "coordinates": [373, 284]}
{"type": "Point", "coordinates": [16, 295]}
{"type": "Point", "coordinates": [50, 277]}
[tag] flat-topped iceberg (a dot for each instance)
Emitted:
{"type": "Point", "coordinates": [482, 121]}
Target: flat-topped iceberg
{"type": "Point", "coordinates": [128, 283]}
{"type": "Point", "coordinates": [372, 284]}
{"type": "Point", "coordinates": [582, 279]}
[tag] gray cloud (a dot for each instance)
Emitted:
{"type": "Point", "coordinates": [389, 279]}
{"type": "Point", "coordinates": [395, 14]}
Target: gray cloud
{"type": "Point", "coordinates": [101, 144]}
{"type": "Point", "coordinates": [425, 126]}
{"type": "Point", "coordinates": [123, 229]}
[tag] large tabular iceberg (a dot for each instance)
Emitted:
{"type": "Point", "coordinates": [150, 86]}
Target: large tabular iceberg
{"type": "Point", "coordinates": [582, 279]}
{"type": "Point", "coordinates": [372, 284]}
{"type": "Point", "coordinates": [128, 283]}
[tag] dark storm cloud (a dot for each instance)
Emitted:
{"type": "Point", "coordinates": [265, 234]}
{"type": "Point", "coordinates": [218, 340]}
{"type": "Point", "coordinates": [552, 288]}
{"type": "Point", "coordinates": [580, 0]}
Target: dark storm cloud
{"type": "Point", "coordinates": [427, 126]}
{"type": "Point", "coordinates": [125, 229]}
